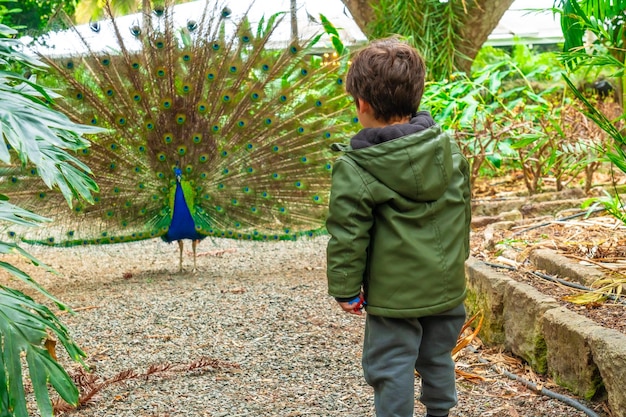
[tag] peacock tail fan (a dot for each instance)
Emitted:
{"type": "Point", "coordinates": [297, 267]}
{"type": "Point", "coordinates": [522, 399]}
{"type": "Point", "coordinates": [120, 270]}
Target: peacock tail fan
{"type": "Point", "coordinates": [247, 125]}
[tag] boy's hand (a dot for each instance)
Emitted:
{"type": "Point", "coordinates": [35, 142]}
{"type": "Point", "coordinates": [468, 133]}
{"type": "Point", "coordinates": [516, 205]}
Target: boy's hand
{"type": "Point", "coordinates": [353, 306]}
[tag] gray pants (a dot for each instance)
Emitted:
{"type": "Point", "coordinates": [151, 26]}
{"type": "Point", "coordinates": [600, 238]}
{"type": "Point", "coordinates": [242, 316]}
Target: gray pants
{"type": "Point", "coordinates": [394, 348]}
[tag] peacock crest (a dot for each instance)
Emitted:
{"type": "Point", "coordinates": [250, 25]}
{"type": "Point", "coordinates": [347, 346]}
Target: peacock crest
{"type": "Point", "coordinates": [207, 131]}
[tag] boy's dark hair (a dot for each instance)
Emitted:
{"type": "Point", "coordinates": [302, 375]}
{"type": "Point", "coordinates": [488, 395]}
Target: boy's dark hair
{"type": "Point", "coordinates": [389, 75]}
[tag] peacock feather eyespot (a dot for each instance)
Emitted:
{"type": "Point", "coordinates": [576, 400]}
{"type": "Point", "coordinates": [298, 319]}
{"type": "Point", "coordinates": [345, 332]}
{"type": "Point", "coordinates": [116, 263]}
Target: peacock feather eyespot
{"type": "Point", "coordinates": [14, 180]}
{"type": "Point", "coordinates": [113, 146]}
{"type": "Point", "coordinates": [161, 157]}
{"type": "Point", "coordinates": [293, 49]}
{"type": "Point", "coordinates": [216, 46]}
{"type": "Point", "coordinates": [265, 68]}
{"type": "Point", "coordinates": [340, 81]}
{"type": "Point", "coordinates": [137, 170]}
{"type": "Point", "coordinates": [94, 121]}
{"type": "Point", "coordinates": [188, 169]}
{"type": "Point", "coordinates": [96, 199]}
{"type": "Point", "coordinates": [245, 39]}
{"type": "Point", "coordinates": [136, 98]}
{"type": "Point", "coordinates": [112, 166]}
{"type": "Point", "coordinates": [225, 171]}
{"type": "Point", "coordinates": [317, 199]}
{"type": "Point", "coordinates": [255, 96]}
{"type": "Point", "coordinates": [275, 148]}
{"type": "Point", "coordinates": [250, 170]}
{"type": "Point", "coordinates": [283, 98]}
{"type": "Point", "coordinates": [233, 69]}
{"type": "Point", "coordinates": [220, 186]}
{"type": "Point", "coordinates": [328, 167]}
{"type": "Point", "coordinates": [135, 30]}
{"type": "Point", "coordinates": [78, 209]}
{"type": "Point", "coordinates": [226, 98]}
{"type": "Point", "coordinates": [106, 62]}
{"type": "Point", "coordinates": [327, 135]}
{"type": "Point", "coordinates": [109, 92]}
{"type": "Point", "coordinates": [210, 76]}
{"type": "Point", "coordinates": [202, 108]}
{"type": "Point", "coordinates": [141, 186]}
{"type": "Point", "coordinates": [206, 197]}
{"type": "Point", "coordinates": [268, 121]}
{"type": "Point", "coordinates": [219, 209]}
{"type": "Point", "coordinates": [121, 121]}
{"type": "Point", "coordinates": [180, 119]}
{"type": "Point", "coordinates": [355, 120]}
{"type": "Point", "coordinates": [241, 123]}
{"type": "Point", "coordinates": [203, 158]}
{"type": "Point", "coordinates": [249, 146]}
{"type": "Point", "coordinates": [224, 154]}
{"type": "Point", "coordinates": [186, 89]}
{"type": "Point", "coordinates": [276, 176]}
{"type": "Point", "coordinates": [318, 103]}
{"type": "Point", "coordinates": [304, 159]}
{"type": "Point", "coordinates": [110, 213]}
{"type": "Point", "coordinates": [254, 210]}
{"type": "Point", "coordinates": [161, 72]}
{"type": "Point", "coordinates": [79, 96]}
{"type": "Point", "coordinates": [167, 138]}
{"type": "Point", "coordinates": [141, 149]}
{"type": "Point", "coordinates": [166, 104]}
{"type": "Point", "coordinates": [84, 151]}
{"type": "Point", "coordinates": [69, 65]}
{"type": "Point", "coordinates": [149, 125]}
{"type": "Point", "coordinates": [234, 202]}
{"type": "Point", "coordinates": [159, 11]}
{"type": "Point", "coordinates": [70, 233]}
{"type": "Point", "coordinates": [42, 195]}
{"type": "Point", "coordinates": [197, 138]}
{"type": "Point", "coordinates": [298, 184]}
{"type": "Point", "coordinates": [246, 190]}
{"type": "Point", "coordinates": [215, 128]}
{"type": "Point", "coordinates": [143, 211]}
{"type": "Point", "coordinates": [164, 190]}
{"type": "Point", "coordinates": [116, 190]}
{"type": "Point", "coordinates": [159, 44]}
{"type": "Point", "coordinates": [304, 72]}
{"type": "Point", "coordinates": [50, 240]}
{"type": "Point", "coordinates": [300, 129]}
{"type": "Point", "coordinates": [128, 204]}
{"type": "Point", "coordinates": [182, 150]}
{"type": "Point", "coordinates": [204, 175]}
{"type": "Point", "coordinates": [160, 175]}
{"type": "Point", "coordinates": [135, 65]}
{"type": "Point", "coordinates": [33, 171]}
{"type": "Point", "coordinates": [155, 197]}
{"type": "Point", "coordinates": [186, 57]}
{"type": "Point", "coordinates": [192, 25]}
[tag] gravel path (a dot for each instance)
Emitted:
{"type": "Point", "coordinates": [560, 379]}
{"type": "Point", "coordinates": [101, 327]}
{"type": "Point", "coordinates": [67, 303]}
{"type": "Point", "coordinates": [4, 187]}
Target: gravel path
{"type": "Point", "coordinates": [280, 345]}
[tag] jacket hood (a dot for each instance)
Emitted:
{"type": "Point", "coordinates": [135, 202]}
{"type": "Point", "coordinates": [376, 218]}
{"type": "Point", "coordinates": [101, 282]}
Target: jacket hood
{"type": "Point", "coordinates": [413, 159]}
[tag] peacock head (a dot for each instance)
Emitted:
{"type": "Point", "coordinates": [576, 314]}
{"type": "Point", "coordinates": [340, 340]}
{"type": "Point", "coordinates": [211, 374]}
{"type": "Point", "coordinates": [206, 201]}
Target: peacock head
{"type": "Point", "coordinates": [178, 173]}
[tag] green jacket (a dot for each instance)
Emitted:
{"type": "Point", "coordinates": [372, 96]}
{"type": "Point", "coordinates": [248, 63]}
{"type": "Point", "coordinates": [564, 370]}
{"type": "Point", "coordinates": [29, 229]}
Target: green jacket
{"type": "Point", "coordinates": [399, 220]}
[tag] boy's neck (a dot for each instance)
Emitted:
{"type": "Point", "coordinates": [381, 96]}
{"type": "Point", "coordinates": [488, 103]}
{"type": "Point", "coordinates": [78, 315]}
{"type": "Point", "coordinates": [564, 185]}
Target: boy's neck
{"type": "Point", "coordinates": [394, 121]}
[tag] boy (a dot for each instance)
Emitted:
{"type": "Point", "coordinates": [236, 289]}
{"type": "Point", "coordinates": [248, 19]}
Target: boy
{"type": "Point", "coordinates": [399, 224]}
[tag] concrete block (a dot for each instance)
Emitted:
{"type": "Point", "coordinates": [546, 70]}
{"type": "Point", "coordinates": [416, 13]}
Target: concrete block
{"type": "Point", "coordinates": [524, 308]}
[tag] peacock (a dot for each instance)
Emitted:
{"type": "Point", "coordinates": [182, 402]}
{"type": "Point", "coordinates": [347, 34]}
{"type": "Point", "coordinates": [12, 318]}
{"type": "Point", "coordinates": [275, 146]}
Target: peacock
{"type": "Point", "coordinates": [211, 128]}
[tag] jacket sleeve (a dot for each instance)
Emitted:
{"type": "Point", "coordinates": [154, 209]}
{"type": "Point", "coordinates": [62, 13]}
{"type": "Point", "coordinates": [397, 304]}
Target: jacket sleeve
{"type": "Point", "coordinates": [349, 223]}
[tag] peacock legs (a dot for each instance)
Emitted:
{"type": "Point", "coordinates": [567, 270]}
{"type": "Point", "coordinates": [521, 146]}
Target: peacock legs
{"type": "Point", "coordinates": [180, 260]}
{"type": "Point", "coordinates": [194, 245]}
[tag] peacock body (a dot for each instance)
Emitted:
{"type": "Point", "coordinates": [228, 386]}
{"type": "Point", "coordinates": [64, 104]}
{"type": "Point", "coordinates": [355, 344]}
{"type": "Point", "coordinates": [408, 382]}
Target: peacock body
{"type": "Point", "coordinates": [209, 131]}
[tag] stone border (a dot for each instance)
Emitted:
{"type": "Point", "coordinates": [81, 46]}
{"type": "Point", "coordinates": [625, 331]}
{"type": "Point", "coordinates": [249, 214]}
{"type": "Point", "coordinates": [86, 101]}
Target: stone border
{"type": "Point", "coordinates": [577, 353]}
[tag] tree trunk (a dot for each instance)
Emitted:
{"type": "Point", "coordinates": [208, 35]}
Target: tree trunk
{"type": "Point", "coordinates": [474, 28]}
{"type": "Point", "coordinates": [481, 19]}
{"type": "Point", "coordinates": [362, 12]}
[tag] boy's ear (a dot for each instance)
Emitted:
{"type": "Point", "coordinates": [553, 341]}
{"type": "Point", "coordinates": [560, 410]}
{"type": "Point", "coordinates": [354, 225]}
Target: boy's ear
{"type": "Point", "coordinates": [363, 106]}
